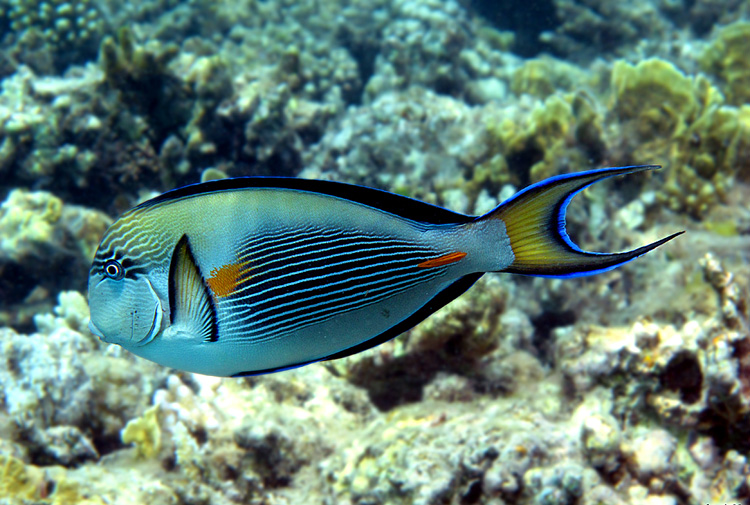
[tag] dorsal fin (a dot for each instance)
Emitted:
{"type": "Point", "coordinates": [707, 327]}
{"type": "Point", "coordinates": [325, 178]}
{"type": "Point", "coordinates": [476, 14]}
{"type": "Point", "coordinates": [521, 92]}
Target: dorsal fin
{"type": "Point", "coordinates": [191, 307]}
{"type": "Point", "coordinates": [378, 199]}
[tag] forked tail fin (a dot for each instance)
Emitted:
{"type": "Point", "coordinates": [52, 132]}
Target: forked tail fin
{"type": "Point", "coordinates": [535, 222]}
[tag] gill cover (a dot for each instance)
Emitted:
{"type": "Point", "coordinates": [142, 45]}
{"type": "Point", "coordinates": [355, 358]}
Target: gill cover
{"type": "Point", "coordinates": [124, 311]}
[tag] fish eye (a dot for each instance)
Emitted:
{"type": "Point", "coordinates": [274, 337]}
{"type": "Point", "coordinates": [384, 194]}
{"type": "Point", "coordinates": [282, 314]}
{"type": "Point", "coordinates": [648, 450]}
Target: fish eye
{"type": "Point", "coordinates": [113, 270]}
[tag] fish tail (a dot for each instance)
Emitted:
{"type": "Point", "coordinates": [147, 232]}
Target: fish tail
{"type": "Point", "coordinates": [534, 220]}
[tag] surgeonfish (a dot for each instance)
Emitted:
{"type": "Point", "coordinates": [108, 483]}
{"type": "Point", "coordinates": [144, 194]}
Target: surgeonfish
{"type": "Point", "coordinates": [254, 275]}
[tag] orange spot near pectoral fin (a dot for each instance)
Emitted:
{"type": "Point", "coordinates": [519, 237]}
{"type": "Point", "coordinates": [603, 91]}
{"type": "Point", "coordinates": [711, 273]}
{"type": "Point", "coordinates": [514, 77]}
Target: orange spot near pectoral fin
{"type": "Point", "coordinates": [446, 259]}
{"type": "Point", "coordinates": [224, 280]}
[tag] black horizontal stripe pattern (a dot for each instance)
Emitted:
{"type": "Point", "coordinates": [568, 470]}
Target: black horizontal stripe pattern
{"type": "Point", "coordinates": [349, 295]}
{"type": "Point", "coordinates": [293, 320]}
{"type": "Point", "coordinates": [438, 301]}
{"type": "Point", "coordinates": [295, 279]}
{"type": "Point", "coordinates": [340, 259]}
{"type": "Point", "coordinates": [273, 263]}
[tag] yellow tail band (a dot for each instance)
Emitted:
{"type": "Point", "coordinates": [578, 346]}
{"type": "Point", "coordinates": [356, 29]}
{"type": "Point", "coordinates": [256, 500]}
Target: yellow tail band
{"type": "Point", "coordinates": [535, 223]}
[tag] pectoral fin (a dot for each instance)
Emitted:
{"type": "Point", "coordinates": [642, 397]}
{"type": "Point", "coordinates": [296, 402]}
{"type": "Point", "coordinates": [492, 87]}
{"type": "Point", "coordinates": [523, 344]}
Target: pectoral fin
{"type": "Point", "coordinates": [192, 309]}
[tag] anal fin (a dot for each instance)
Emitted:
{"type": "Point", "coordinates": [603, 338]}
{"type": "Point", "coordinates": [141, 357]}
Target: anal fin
{"type": "Point", "coordinates": [191, 307]}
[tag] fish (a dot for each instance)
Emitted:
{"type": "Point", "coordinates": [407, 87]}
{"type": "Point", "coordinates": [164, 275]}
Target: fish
{"type": "Point", "coordinates": [253, 275]}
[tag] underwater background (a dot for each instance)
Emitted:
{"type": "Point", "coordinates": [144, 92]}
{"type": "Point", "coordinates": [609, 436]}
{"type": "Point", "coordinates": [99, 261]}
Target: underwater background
{"type": "Point", "coordinates": [628, 387]}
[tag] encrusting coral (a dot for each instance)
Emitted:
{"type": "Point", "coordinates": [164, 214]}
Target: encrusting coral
{"type": "Point", "coordinates": [50, 35]}
{"type": "Point", "coordinates": [37, 228]}
{"type": "Point", "coordinates": [693, 378]}
{"type": "Point", "coordinates": [632, 386]}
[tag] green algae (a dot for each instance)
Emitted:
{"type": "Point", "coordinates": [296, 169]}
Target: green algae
{"type": "Point", "coordinates": [727, 59]}
{"type": "Point", "coordinates": [562, 132]}
{"type": "Point", "coordinates": [145, 433]}
{"type": "Point", "coordinates": [24, 483]}
{"type": "Point", "coordinates": [655, 96]}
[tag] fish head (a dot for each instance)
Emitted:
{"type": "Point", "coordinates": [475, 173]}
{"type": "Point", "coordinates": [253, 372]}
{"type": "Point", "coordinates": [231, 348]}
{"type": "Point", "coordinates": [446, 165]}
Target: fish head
{"type": "Point", "coordinates": [124, 311]}
{"type": "Point", "coordinates": [124, 295]}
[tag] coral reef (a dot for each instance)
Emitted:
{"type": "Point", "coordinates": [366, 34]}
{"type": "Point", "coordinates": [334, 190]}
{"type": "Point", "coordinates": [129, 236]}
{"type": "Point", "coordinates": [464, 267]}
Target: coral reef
{"type": "Point", "coordinates": [36, 228]}
{"type": "Point", "coordinates": [599, 26]}
{"type": "Point", "coordinates": [702, 15]}
{"type": "Point", "coordinates": [428, 36]}
{"type": "Point", "coordinates": [59, 134]}
{"type": "Point", "coordinates": [583, 30]}
{"type": "Point", "coordinates": [692, 378]}
{"type": "Point", "coordinates": [51, 35]}
{"type": "Point", "coordinates": [632, 386]}
{"type": "Point", "coordinates": [579, 434]}
{"type": "Point", "coordinates": [656, 98]}
{"type": "Point", "coordinates": [665, 114]}
{"type": "Point", "coordinates": [458, 341]}
{"type": "Point", "coordinates": [65, 400]}
{"type": "Point", "coordinates": [144, 81]}
{"type": "Point", "coordinates": [725, 59]}
{"type": "Point", "coordinates": [418, 149]}
{"type": "Point", "coordinates": [542, 77]}
{"type": "Point", "coordinates": [561, 131]}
